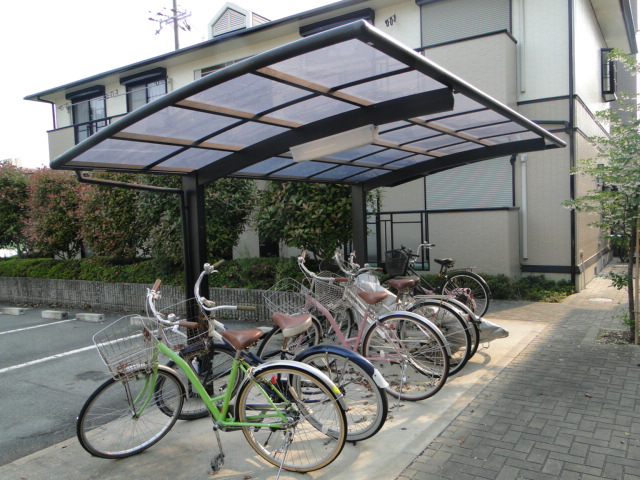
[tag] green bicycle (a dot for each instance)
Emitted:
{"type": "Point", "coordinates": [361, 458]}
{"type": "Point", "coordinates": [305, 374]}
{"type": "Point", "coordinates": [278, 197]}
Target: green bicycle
{"type": "Point", "coordinates": [291, 414]}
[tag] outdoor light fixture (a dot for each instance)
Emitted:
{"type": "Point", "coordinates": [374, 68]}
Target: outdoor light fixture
{"type": "Point", "coordinates": [340, 142]}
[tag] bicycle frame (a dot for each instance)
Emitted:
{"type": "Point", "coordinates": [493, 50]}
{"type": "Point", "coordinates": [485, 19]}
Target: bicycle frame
{"type": "Point", "coordinates": [220, 415]}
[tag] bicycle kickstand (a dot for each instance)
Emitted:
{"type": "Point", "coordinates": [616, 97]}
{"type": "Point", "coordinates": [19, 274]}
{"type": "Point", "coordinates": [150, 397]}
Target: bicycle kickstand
{"type": "Point", "coordinates": [218, 460]}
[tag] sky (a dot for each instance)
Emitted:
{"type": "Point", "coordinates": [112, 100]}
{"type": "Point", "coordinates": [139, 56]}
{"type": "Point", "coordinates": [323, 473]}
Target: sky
{"type": "Point", "coordinates": [46, 44]}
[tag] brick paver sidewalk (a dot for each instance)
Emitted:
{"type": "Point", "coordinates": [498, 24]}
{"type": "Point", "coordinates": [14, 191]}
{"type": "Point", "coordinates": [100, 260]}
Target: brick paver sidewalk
{"type": "Point", "coordinates": [566, 407]}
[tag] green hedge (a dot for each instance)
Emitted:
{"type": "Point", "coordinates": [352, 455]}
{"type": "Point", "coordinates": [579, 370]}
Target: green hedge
{"type": "Point", "coordinates": [258, 273]}
{"type": "Point", "coordinates": [253, 273]}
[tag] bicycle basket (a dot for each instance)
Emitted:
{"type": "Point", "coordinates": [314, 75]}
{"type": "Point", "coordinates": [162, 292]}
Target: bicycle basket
{"type": "Point", "coordinates": [286, 296]}
{"type": "Point", "coordinates": [125, 346]}
{"type": "Point", "coordinates": [327, 292]}
{"type": "Point", "coordinates": [178, 338]}
{"type": "Point", "coordinates": [396, 262]}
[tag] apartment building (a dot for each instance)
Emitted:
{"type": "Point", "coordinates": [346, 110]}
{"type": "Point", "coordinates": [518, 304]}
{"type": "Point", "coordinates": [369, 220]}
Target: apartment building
{"type": "Point", "coordinates": [545, 59]}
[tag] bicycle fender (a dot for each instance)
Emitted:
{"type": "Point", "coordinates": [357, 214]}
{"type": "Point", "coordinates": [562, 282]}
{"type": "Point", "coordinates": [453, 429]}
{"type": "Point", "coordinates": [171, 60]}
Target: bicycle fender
{"type": "Point", "coordinates": [309, 369]}
{"type": "Point", "coordinates": [354, 357]}
{"type": "Point", "coordinates": [415, 316]}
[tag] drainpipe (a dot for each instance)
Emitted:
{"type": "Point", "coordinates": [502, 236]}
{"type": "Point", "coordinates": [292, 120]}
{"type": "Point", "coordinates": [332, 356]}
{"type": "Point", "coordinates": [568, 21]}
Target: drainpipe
{"type": "Point", "coordinates": [572, 138]}
{"type": "Point", "coordinates": [523, 207]}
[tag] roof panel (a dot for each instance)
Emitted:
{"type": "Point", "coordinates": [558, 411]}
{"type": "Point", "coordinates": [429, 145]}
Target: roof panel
{"type": "Point", "coordinates": [243, 119]}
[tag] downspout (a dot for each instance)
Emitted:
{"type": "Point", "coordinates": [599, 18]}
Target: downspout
{"type": "Point", "coordinates": [524, 207]}
{"type": "Point", "coordinates": [572, 138]}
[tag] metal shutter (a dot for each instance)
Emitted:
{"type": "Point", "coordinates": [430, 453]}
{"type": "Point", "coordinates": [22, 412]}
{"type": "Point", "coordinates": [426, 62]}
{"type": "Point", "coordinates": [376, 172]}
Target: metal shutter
{"type": "Point", "coordinates": [483, 184]}
{"type": "Point", "coordinates": [449, 20]}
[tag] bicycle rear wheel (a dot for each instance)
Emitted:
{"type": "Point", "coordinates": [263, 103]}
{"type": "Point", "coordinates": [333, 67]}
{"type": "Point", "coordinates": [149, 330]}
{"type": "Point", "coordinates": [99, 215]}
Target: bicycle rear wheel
{"type": "Point", "coordinates": [125, 417]}
{"type": "Point", "coordinates": [313, 431]}
{"type": "Point", "coordinates": [453, 326]}
{"type": "Point", "coordinates": [479, 294]}
{"type": "Point", "coordinates": [410, 355]}
{"type": "Point", "coordinates": [214, 367]}
{"type": "Point", "coordinates": [367, 404]}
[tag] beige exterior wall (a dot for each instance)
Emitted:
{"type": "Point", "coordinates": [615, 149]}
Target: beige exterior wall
{"type": "Point", "coordinates": [483, 240]}
{"type": "Point", "coordinates": [487, 63]}
{"type": "Point", "coordinates": [540, 27]}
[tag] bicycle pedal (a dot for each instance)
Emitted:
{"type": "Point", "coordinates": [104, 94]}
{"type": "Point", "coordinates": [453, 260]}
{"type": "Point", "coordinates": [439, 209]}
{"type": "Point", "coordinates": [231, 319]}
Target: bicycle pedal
{"type": "Point", "coordinates": [217, 462]}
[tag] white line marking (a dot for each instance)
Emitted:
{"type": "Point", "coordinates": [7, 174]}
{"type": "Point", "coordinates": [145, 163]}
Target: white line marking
{"type": "Point", "coordinates": [46, 359]}
{"type": "Point", "coordinates": [64, 354]}
{"type": "Point", "coordinates": [37, 326]}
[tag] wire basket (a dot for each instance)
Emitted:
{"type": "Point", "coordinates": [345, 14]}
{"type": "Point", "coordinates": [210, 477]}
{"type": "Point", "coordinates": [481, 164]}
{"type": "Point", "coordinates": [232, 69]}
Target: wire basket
{"type": "Point", "coordinates": [182, 338]}
{"type": "Point", "coordinates": [286, 296]}
{"type": "Point", "coordinates": [327, 290]}
{"type": "Point", "coordinates": [396, 262]}
{"type": "Point", "coordinates": [126, 346]}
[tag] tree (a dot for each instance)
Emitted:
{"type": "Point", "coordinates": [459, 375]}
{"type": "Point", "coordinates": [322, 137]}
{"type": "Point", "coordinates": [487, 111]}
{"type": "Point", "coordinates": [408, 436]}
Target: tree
{"type": "Point", "coordinates": [13, 207]}
{"type": "Point", "coordinates": [309, 216]}
{"type": "Point", "coordinates": [615, 202]}
{"type": "Point", "coordinates": [111, 224]}
{"type": "Point", "coordinates": [53, 224]}
{"type": "Point", "coordinates": [228, 205]}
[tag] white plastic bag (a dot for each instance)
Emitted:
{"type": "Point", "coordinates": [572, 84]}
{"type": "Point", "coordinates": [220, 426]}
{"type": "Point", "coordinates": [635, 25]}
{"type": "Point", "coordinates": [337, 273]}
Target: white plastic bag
{"type": "Point", "coordinates": [490, 331]}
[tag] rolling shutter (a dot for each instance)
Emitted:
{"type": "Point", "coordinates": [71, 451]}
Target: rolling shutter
{"type": "Point", "coordinates": [486, 184]}
{"type": "Point", "coordinates": [450, 20]}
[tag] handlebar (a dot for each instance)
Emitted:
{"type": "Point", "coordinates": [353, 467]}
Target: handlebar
{"type": "Point", "coordinates": [354, 269]}
{"type": "Point", "coordinates": [209, 305]}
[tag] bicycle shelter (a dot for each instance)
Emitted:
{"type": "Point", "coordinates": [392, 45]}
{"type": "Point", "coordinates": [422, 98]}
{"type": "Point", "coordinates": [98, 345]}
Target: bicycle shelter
{"type": "Point", "coordinates": [348, 105]}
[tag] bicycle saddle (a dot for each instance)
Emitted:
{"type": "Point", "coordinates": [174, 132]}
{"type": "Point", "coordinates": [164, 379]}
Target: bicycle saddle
{"type": "Point", "coordinates": [241, 339]}
{"type": "Point", "coordinates": [401, 283]}
{"type": "Point", "coordinates": [445, 262]}
{"type": "Point", "coordinates": [292, 325]}
{"type": "Point", "coordinates": [372, 297]}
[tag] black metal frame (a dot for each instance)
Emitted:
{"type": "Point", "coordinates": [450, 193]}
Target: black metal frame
{"type": "Point", "coordinates": [192, 193]}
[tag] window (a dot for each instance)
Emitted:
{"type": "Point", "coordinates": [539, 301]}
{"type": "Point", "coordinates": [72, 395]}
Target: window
{"type": "Point", "coordinates": [608, 76]}
{"type": "Point", "coordinates": [89, 111]}
{"type": "Point", "coordinates": [144, 87]}
{"type": "Point", "coordinates": [203, 72]}
{"type": "Point", "coordinates": [452, 20]}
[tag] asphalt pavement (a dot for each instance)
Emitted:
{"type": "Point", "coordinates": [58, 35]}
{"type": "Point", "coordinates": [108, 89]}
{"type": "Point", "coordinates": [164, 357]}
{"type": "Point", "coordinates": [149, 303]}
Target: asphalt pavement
{"type": "Point", "coordinates": [549, 401]}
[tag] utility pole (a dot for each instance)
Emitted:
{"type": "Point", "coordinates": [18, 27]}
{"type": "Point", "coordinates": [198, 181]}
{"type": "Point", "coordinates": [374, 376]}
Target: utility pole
{"type": "Point", "coordinates": [175, 17]}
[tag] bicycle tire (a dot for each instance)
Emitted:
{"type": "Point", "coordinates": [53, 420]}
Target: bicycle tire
{"type": "Point", "coordinates": [454, 327]}
{"type": "Point", "coordinates": [271, 345]}
{"type": "Point", "coordinates": [410, 355]}
{"type": "Point", "coordinates": [367, 403]}
{"type": "Point", "coordinates": [313, 437]}
{"type": "Point", "coordinates": [214, 369]}
{"type": "Point", "coordinates": [474, 330]}
{"type": "Point", "coordinates": [106, 426]}
{"type": "Point", "coordinates": [480, 292]}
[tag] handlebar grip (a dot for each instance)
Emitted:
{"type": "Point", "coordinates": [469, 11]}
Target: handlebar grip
{"type": "Point", "coordinates": [303, 254]}
{"type": "Point", "coordinates": [186, 324]}
{"type": "Point", "coordinates": [341, 280]}
{"type": "Point", "coordinates": [247, 308]}
{"type": "Point", "coordinates": [218, 263]}
{"type": "Point", "coordinates": [156, 286]}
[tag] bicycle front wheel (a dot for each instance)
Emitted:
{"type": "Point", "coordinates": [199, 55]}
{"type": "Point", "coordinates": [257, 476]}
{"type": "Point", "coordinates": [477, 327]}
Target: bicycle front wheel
{"type": "Point", "coordinates": [410, 355]}
{"type": "Point", "coordinates": [308, 427]}
{"type": "Point", "coordinates": [454, 327]}
{"type": "Point", "coordinates": [125, 417]}
{"type": "Point", "coordinates": [470, 289]}
{"type": "Point", "coordinates": [367, 404]}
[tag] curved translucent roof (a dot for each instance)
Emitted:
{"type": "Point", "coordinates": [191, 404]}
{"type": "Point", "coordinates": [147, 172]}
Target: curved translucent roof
{"type": "Point", "coordinates": [243, 120]}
